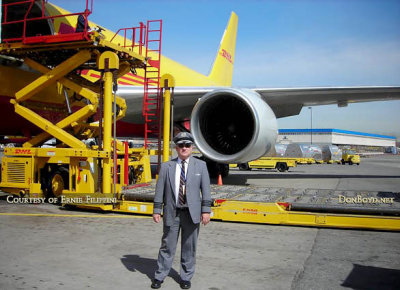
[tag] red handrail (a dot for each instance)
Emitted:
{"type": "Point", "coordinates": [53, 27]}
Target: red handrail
{"type": "Point", "coordinates": [141, 41]}
{"type": "Point", "coordinates": [27, 20]}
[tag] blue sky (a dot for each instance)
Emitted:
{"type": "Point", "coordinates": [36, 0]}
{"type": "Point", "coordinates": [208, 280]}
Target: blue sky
{"type": "Point", "coordinates": [283, 44]}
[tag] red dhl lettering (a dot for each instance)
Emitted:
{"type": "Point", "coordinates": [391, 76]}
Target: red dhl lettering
{"type": "Point", "coordinates": [23, 151]}
{"type": "Point", "coordinates": [250, 210]}
{"type": "Point", "coordinates": [226, 55]}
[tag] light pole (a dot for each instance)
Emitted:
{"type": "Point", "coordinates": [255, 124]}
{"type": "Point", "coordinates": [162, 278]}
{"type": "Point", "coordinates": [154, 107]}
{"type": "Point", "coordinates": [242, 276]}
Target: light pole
{"type": "Point", "coordinates": [311, 123]}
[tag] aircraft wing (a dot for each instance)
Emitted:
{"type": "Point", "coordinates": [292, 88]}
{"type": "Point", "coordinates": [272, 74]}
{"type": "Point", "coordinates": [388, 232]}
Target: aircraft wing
{"type": "Point", "coordinates": [289, 101]}
{"type": "Point", "coordinates": [283, 101]}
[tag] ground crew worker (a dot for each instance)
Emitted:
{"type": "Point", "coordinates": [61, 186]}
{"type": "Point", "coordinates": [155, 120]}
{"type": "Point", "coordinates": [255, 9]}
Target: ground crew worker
{"type": "Point", "coordinates": [178, 188]}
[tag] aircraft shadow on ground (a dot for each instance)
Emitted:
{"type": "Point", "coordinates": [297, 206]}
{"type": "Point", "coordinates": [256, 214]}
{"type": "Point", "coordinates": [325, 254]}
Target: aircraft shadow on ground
{"type": "Point", "coordinates": [146, 266]}
{"type": "Point", "coordinates": [368, 277]}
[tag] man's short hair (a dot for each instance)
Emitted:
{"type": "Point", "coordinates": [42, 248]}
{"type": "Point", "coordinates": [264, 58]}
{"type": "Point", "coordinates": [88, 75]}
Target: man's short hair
{"type": "Point", "coordinates": [183, 137]}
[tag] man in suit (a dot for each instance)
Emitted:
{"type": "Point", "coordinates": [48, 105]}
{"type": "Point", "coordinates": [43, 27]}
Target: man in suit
{"type": "Point", "coordinates": [184, 207]}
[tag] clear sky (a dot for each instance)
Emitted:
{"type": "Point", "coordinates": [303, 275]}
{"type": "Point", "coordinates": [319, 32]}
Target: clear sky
{"type": "Point", "coordinates": [283, 44]}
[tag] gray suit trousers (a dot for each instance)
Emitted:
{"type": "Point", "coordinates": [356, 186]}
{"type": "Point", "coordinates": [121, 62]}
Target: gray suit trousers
{"type": "Point", "coordinates": [190, 231]}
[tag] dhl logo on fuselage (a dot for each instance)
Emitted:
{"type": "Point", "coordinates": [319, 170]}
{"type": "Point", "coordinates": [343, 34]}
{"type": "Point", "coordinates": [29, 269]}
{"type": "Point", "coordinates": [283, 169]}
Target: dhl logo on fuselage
{"type": "Point", "coordinates": [226, 55]}
{"type": "Point", "coordinates": [22, 151]}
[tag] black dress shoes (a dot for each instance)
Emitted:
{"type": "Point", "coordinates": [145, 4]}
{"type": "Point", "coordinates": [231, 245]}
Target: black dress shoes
{"type": "Point", "coordinates": [157, 284]}
{"type": "Point", "coordinates": [185, 284]}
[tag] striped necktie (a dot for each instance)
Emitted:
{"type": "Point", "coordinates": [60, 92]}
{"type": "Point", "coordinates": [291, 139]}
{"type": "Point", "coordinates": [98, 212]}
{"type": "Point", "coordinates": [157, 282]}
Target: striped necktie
{"type": "Point", "coordinates": [182, 184]}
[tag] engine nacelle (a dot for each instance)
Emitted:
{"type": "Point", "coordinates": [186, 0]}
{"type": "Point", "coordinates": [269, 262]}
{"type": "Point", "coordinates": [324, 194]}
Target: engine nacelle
{"type": "Point", "coordinates": [233, 125]}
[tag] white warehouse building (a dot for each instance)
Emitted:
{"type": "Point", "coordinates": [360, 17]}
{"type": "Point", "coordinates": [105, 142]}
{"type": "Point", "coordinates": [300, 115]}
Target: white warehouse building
{"type": "Point", "coordinates": [335, 136]}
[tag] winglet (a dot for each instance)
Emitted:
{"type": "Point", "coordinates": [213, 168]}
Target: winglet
{"type": "Point", "coordinates": [222, 70]}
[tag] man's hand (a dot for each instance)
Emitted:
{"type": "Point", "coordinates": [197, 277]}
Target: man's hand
{"type": "Point", "coordinates": [205, 218]}
{"type": "Point", "coordinates": [156, 218]}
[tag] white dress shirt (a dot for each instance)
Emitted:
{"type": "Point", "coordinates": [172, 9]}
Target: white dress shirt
{"type": "Point", "coordinates": [178, 176]}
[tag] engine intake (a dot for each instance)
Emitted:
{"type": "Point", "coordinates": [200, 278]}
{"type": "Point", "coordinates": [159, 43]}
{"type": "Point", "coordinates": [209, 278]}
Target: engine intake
{"type": "Point", "coordinates": [233, 125]}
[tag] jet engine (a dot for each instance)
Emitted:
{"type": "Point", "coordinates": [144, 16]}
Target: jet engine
{"type": "Point", "coordinates": [233, 125]}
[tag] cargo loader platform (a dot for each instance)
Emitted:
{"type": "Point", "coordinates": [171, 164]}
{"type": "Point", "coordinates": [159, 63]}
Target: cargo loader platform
{"type": "Point", "coordinates": [51, 93]}
{"type": "Point", "coordinates": [279, 206]}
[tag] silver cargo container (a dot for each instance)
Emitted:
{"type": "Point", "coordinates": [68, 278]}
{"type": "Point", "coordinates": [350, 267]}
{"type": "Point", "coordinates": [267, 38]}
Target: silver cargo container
{"type": "Point", "coordinates": [331, 153]}
{"type": "Point", "coordinates": [280, 149]}
{"type": "Point", "coordinates": [298, 150]}
{"type": "Point", "coordinates": [316, 152]}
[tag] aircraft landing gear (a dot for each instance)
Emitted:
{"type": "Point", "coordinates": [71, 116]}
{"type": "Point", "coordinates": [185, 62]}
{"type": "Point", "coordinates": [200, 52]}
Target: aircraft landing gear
{"type": "Point", "coordinates": [214, 168]}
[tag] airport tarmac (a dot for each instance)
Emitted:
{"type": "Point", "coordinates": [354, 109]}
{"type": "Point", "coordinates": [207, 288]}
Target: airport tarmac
{"type": "Point", "coordinates": [60, 249]}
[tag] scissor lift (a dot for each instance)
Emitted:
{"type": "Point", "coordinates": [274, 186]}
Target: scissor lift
{"type": "Point", "coordinates": [72, 168]}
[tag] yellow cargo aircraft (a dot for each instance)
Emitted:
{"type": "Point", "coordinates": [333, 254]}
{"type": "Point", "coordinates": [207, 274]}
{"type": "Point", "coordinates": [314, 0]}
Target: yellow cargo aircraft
{"type": "Point", "coordinates": [230, 125]}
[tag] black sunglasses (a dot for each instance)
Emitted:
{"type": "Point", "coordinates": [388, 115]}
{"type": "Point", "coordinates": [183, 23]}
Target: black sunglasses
{"type": "Point", "coordinates": [187, 145]}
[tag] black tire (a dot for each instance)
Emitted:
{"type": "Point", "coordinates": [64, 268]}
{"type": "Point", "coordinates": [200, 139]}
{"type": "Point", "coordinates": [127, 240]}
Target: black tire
{"type": "Point", "coordinates": [214, 168]}
{"type": "Point", "coordinates": [244, 166]}
{"type": "Point", "coordinates": [58, 181]}
{"type": "Point", "coordinates": [343, 163]}
{"type": "Point", "coordinates": [358, 163]}
{"type": "Point", "coordinates": [282, 167]}
{"type": "Point", "coordinates": [224, 169]}
{"type": "Point", "coordinates": [350, 162]}
{"type": "Point", "coordinates": [131, 175]}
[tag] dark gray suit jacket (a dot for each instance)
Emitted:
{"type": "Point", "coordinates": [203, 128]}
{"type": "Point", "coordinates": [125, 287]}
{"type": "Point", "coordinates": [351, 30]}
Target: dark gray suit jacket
{"type": "Point", "coordinates": [197, 180]}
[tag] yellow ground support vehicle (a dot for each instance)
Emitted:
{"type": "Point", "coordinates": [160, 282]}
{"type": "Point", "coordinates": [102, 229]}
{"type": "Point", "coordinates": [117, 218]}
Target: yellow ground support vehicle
{"type": "Point", "coordinates": [85, 110]}
{"type": "Point", "coordinates": [281, 164]}
{"type": "Point", "coordinates": [350, 157]}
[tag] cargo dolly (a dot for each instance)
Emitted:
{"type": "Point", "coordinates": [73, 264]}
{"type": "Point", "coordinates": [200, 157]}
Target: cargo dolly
{"type": "Point", "coordinates": [273, 206]}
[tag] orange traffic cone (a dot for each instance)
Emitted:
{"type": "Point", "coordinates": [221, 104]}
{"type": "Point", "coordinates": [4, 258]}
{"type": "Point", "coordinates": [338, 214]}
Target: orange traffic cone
{"type": "Point", "coordinates": [219, 179]}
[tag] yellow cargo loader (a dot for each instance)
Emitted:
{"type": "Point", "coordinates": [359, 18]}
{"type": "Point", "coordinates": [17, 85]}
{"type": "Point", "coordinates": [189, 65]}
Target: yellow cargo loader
{"type": "Point", "coordinates": [82, 109]}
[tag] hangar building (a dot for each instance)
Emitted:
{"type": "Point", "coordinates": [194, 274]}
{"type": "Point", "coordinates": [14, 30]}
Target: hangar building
{"type": "Point", "coordinates": [336, 137]}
